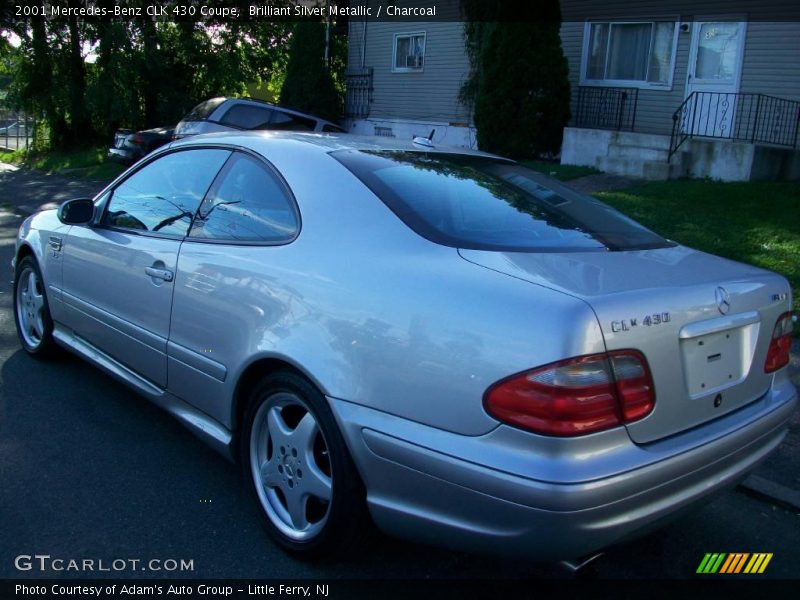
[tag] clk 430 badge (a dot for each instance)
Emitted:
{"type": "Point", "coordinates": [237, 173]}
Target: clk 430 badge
{"type": "Point", "coordinates": [647, 321]}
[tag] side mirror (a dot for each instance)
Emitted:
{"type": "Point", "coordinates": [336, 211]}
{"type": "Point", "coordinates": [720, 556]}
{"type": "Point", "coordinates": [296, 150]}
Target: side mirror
{"type": "Point", "coordinates": [79, 211]}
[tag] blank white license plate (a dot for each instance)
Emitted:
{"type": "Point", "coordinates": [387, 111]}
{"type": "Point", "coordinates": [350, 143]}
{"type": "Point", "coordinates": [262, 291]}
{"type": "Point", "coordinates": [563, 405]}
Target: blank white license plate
{"type": "Point", "coordinates": [715, 361]}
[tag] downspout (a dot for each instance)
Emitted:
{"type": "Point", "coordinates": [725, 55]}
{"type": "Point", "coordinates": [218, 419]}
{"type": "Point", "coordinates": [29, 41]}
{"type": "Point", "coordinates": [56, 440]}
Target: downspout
{"type": "Point", "coordinates": [328, 35]}
{"type": "Point", "coordinates": [364, 37]}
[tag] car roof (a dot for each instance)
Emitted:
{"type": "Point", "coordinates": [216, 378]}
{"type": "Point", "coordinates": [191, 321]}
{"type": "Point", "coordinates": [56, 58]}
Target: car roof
{"type": "Point", "coordinates": [272, 141]}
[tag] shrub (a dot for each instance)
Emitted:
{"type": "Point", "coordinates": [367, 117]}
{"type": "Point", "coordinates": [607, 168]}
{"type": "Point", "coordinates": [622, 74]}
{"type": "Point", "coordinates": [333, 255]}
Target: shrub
{"type": "Point", "coordinates": [308, 86]}
{"type": "Point", "coordinates": [518, 86]}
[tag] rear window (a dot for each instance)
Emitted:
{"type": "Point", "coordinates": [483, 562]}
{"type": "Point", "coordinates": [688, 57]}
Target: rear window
{"type": "Point", "coordinates": [202, 110]}
{"type": "Point", "coordinates": [485, 203]}
{"type": "Point", "coordinates": [289, 122]}
{"type": "Point", "coordinates": [247, 116]}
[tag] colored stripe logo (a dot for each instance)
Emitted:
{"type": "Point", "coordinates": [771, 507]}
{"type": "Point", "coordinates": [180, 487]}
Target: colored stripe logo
{"type": "Point", "coordinates": [734, 562]}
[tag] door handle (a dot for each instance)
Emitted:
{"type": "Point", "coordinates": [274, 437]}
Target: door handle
{"type": "Point", "coordinates": [159, 273]}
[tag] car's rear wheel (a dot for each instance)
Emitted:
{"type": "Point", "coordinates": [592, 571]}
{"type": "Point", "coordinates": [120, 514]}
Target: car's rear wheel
{"type": "Point", "coordinates": [31, 311]}
{"type": "Point", "coordinates": [299, 468]}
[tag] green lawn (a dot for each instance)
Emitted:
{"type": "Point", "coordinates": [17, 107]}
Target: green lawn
{"type": "Point", "coordinates": [562, 172]}
{"type": "Point", "coordinates": [90, 163]}
{"type": "Point", "coordinates": [756, 223]}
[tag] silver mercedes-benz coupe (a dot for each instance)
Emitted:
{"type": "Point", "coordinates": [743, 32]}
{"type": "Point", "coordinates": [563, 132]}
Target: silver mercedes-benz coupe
{"type": "Point", "coordinates": [469, 353]}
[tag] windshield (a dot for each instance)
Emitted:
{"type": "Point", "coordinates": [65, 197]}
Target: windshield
{"type": "Point", "coordinates": [486, 203]}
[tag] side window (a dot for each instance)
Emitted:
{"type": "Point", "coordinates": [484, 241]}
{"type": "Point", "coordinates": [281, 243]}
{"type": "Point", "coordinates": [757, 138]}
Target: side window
{"type": "Point", "coordinates": [163, 196]}
{"type": "Point", "coordinates": [285, 121]}
{"type": "Point", "coordinates": [247, 204]}
{"type": "Point", "coordinates": [247, 116]}
{"type": "Point", "coordinates": [332, 129]}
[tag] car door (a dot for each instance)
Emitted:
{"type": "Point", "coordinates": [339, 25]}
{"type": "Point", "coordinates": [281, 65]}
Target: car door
{"type": "Point", "coordinates": [118, 273]}
{"type": "Point", "coordinates": [225, 301]}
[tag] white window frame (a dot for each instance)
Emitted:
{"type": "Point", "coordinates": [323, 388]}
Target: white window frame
{"type": "Point", "coordinates": [397, 36]}
{"type": "Point", "coordinates": [632, 83]}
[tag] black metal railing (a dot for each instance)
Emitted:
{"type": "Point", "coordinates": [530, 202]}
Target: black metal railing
{"type": "Point", "coordinates": [606, 108]}
{"type": "Point", "coordinates": [754, 118]}
{"type": "Point", "coordinates": [358, 94]}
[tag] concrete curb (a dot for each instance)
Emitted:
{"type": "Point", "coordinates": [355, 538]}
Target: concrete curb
{"type": "Point", "coordinates": [774, 492]}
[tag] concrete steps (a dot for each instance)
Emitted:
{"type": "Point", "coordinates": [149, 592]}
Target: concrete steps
{"type": "Point", "coordinates": [624, 153]}
{"type": "Point", "coordinates": [638, 152]}
{"type": "Point", "coordinates": [644, 155]}
{"type": "Point", "coordinates": [629, 163]}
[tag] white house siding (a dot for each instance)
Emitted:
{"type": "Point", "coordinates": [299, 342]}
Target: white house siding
{"type": "Point", "coordinates": [414, 103]}
{"type": "Point", "coordinates": [655, 107]}
{"type": "Point", "coordinates": [751, 10]}
{"type": "Point", "coordinates": [771, 62]}
{"type": "Point", "coordinates": [771, 52]}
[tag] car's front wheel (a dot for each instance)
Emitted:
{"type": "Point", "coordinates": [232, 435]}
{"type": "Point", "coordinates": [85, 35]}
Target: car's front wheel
{"type": "Point", "coordinates": [31, 311]}
{"type": "Point", "coordinates": [299, 468]}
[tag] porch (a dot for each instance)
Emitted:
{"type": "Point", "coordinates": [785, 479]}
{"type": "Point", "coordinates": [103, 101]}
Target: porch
{"type": "Point", "coordinates": [725, 136]}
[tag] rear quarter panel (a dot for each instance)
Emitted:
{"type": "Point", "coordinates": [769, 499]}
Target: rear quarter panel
{"type": "Point", "coordinates": [373, 313]}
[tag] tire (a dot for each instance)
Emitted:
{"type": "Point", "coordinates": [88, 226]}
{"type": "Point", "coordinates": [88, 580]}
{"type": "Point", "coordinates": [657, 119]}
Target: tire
{"type": "Point", "coordinates": [299, 470]}
{"type": "Point", "coordinates": [31, 310]}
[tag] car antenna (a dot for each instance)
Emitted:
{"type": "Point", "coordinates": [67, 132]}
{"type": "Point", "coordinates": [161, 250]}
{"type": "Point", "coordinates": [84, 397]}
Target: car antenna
{"type": "Point", "coordinates": [424, 141]}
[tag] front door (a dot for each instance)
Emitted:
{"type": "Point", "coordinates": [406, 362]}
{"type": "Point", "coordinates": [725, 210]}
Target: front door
{"type": "Point", "coordinates": [118, 273]}
{"type": "Point", "coordinates": [715, 64]}
{"type": "Point", "coordinates": [110, 299]}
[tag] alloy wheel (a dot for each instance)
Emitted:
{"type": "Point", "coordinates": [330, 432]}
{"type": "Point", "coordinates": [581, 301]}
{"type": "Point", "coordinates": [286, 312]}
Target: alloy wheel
{"type": "Point", "coordinates": [31, 308]}
{"type": "Point", "coordinates": [291, 467]}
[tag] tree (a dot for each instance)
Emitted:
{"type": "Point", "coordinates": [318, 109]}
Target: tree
{"type": "Point", "coordinates": [518, 85]}
{"type": "Point", "coordinates": [308, 86]}
{"type": "Point", "coordinates": [84, 78]}
{"type": "Point", "coordinates": [80, 127]}
{"type": "Point", "coordinates": [6, 62]}
{"type": "Point", "coordinates": [113, 84]}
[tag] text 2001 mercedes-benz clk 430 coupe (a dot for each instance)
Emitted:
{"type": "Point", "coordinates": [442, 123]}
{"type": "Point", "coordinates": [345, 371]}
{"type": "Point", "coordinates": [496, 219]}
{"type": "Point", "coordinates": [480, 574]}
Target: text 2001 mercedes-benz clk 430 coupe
{"type": "Point", "coordinates": [469, 352]}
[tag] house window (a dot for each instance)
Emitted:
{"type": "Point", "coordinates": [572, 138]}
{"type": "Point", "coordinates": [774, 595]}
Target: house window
{"type": "Point", "coordinates": [640, 54]}
{"type": "Point", "coordinates": [409, 52]}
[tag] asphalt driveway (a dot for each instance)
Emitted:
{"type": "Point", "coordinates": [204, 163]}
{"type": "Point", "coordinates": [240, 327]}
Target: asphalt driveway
{"type": "Point", "coordinates": [26, 190]}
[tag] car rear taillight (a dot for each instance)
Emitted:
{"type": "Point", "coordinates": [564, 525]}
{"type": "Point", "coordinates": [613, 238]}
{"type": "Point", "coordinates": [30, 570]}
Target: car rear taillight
{"type": "Point", "coordinates": [138, 140]}
{"type": "Point", "coordinates": [576, 396]}
{"type": "Point", "coordinates": [780, 344]}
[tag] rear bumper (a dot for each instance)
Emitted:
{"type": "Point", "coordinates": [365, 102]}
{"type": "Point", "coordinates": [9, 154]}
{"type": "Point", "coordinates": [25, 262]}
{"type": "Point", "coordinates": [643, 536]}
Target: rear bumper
{"type": "Point", "coordinates": [509, 492]}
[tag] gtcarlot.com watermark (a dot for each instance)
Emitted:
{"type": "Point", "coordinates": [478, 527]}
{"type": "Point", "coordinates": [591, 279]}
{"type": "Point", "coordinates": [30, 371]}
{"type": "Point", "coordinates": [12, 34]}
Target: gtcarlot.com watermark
{"type": "Point", "coordinates": [44, 563]}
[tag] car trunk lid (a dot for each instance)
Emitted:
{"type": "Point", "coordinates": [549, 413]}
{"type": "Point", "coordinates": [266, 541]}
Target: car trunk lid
{"type": "Point", "coordinates": [704, 323]}
{"type": "Point", "coordinates": [120, 136]}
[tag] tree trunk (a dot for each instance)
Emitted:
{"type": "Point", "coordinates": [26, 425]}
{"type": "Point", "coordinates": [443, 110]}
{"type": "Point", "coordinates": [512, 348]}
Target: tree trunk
{"type": "Point", "coordinates": [79, 131]}
{"type": "Point", "coordinates": [149, 71]}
